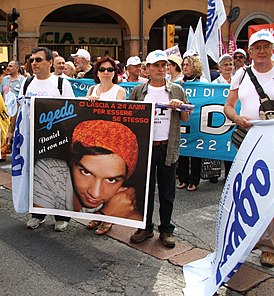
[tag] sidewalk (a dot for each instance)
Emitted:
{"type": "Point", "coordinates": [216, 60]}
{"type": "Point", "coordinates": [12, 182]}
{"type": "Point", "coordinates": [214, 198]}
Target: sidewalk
{"type": "Point", "coordinates": [251, 279]}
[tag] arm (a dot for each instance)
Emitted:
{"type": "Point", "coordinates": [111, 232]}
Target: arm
{"type": "Point", "coordinates": [122, 204]}
{"type": "Point", "coordinates": [230, 112]}
{"type": "Point", "coordinates": [121, 95]}
{"type": "Point", "coordinates": [90, 97]}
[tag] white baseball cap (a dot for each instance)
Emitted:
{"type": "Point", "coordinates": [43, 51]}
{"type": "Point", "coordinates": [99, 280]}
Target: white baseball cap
{"type": "Point", "coordinates": [82, 53]}
{"type": "Point", "coordinates": [224, 57]}
{"type": "Point", "coordinates": [156, 56]}
{"type": "Point", "coordinates": [261, 35]}
{"type": "Point", "coordinates": [240, 50]}
{"type": "Point", "coordinates": [133, 61]}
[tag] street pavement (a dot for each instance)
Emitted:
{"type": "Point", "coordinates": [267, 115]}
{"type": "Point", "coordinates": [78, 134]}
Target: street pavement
{"type": "Point", "coordinates": [78, 262]}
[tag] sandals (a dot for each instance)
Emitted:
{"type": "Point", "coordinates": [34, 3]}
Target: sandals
{"type": "Point", "coordinates": [182, 185]}
{"type": "Point", "coordinates": [93, 224]}
{"type": "Point", "coordinates": [191, 187]}
{"type": "Point", "coordinates": [103, 228]}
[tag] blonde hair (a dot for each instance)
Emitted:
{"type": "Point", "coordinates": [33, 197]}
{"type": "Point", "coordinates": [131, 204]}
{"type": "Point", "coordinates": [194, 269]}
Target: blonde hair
{"type": "Point", "coordinates": [71, 65]}
{"type": "Point", "coordinates": [196, 65]}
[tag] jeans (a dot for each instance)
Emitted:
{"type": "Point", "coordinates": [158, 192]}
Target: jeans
{"type": "Point", "coordinates": [166, 177]}
{"type": "Point", "coordinates": [195, 170]}
{"type": "Point", "coordinates": [57, 218]}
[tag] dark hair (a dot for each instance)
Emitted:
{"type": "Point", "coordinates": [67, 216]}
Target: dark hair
{"type": "Point", "coordinates": [120, 67]}
{"type": "Point", "coordinates": [27, 57]}
{"type": "Point", "coordinates": [98, 65]}
{"type": "Point", "coordinates": [94, 58]}
{"type": "Point", "coordinates": [78, 151]}
{"type": "Point", "coordinates": [3, 66]}
{"type": "Point", "coordinates": [177, 68]}
{"type": "Point", "coordinates": [46, 50]}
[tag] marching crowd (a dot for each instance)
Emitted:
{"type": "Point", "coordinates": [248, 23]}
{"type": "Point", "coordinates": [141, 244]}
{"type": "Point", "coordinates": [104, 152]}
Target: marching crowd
{"type": "Point", "coordinates": [156, 75]}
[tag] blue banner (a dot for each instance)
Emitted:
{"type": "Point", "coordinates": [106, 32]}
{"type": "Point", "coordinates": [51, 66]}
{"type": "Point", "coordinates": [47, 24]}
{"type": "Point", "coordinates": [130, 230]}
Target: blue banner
{"type": "Point", "coordinates": [81, 86]}
{"type": "Point", "coordinates": [208, 132]}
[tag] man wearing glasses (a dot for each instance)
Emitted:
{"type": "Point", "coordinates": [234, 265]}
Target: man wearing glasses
{"type": "Point", "coordinates": [82, 64]}
{"type": "Point", "coordinates": [260, 50]}
{"type": "Point", "coordinates": [239, 57]}
{"type": "Point", "coordinates": [47, 85]}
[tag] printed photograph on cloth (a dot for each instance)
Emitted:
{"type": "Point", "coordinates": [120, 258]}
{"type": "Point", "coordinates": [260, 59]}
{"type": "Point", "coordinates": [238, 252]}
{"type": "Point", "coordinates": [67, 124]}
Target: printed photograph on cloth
{"type": "Point", "coordinates": [91, 160]}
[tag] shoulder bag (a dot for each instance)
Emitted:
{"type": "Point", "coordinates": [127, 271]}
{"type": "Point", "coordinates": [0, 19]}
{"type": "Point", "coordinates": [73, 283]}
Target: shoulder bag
{"type": "Point", "coordinates": [266, 110]}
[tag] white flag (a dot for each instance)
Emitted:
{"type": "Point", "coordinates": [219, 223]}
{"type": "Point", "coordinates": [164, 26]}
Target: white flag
{"type": "Point", "coordinates": [246, 209]}
{"type": "Point", "coordinates": [216, 16]}
{"type": "Point", "coordinates": [190, 38]}
{"type": "Point", "coordinates": [198, 44]}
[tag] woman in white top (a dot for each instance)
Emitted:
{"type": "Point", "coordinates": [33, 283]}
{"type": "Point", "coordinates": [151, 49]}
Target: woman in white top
{"type": "Point", "coordinates": [226, 69]}
{"type": "Point", "coordinates": [189, 168]}
{"type": "Point", "coordinates": [106, 77]}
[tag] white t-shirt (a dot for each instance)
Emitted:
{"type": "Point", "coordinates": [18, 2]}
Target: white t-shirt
{"type": "Point", "coordinates": [110, 95]}
{"type": "Point", "coordinates": [162, 117]}
{"type": "Point", "coordinates": [47, 88]}
{"type": "Point", "coordinates": [247, 93]}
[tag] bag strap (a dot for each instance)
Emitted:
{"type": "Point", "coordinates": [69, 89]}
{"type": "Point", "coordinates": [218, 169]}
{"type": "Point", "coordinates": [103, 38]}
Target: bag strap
{"type": "Point", "coordinates": [27, 83]}
{"type": "Point", "coordinates": [30, 78]}
{"type": "Point", "coordinates": [60, 84]}
{"type": "Point", "coordinates": [257, 85]}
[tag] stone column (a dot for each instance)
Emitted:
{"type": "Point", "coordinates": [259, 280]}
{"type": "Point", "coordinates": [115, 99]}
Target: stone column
{"type": "Point", "coordinates": [132, 46]}
{"type": "Point", "coordinates": [27, 41]}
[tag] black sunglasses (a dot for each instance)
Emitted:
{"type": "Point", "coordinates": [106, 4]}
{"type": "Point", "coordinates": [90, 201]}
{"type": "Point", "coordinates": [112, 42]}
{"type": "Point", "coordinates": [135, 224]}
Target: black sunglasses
{"type": "Point", "coordinates": [240, 57]}
{"type": "Point", "coordinates": [103, 69]}
{"type": "Point", "coordinates": [37, 60]}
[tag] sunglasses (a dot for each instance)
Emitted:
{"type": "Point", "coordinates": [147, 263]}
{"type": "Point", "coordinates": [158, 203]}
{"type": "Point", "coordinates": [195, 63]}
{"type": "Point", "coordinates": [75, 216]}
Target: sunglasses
{"type": "Point", "coordinates": [103, 69]}
{"type": "Point", "coordinates": [37, 60]}
{"type": "Point", "coordinates": [240, 57]}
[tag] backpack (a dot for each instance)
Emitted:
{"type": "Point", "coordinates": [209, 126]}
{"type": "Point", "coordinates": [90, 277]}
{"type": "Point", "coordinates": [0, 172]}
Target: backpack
{"type": "Point", "coordinates": [30, 78]}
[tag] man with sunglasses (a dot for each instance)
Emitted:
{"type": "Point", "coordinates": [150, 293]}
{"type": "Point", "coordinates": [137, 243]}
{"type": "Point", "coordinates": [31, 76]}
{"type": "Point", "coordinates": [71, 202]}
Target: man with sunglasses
{"type": "Point", "coordinates": [46, 85]}
{"type": "Point", "coordinates": [239, 57]}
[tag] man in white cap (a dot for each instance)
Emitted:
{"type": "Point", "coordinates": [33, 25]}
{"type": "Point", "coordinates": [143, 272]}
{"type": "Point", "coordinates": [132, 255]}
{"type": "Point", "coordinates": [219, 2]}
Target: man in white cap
{"type": "Point", "coordinates": [260, 50]}
{"type": "Point", "coordinates": [239, 57]}
{"type": "Point", "coordinates": [133, 66]}
{"type": "Point", "coordinates": [166, 138]}
{"type": "Point", "coordinates": [82, 64]}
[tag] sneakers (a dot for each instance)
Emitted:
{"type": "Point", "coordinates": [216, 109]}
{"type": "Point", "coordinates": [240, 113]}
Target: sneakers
{"type": "Point", "coordinates": [167, 239]}
{"type": "Point", "coordinates": [267, 259]}
{"type": "Point", "coordinates": [141, 235]}
{"type": "Point", "coordinates": [61, 226]}
{"type": "Point", "coordinates": [34, 223]}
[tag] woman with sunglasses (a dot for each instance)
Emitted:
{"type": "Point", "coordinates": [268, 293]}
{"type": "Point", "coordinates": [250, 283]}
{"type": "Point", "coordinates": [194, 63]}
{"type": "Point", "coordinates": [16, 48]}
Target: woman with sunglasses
{"type": "Point", "coordinates": [107, 88]}
{"type": "Point", "coordinates": [106, 77]}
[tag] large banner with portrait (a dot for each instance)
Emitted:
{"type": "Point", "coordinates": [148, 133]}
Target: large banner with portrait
{"type": "Point", "coordinates": [91, 160]}
{"type": "Point", "coordinates": [207, 134]}
{"type": "Point", "coordinates": [246, 208]}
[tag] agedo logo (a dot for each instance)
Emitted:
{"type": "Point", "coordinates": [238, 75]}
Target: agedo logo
{"type": "Point", "coordinates": [246, 189]}
{"type": "Point", "coordinates": [52, 117]}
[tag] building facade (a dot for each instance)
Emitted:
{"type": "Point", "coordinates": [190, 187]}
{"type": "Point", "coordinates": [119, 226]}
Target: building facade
{"type": "Point", "coordinates": [120, 28]}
